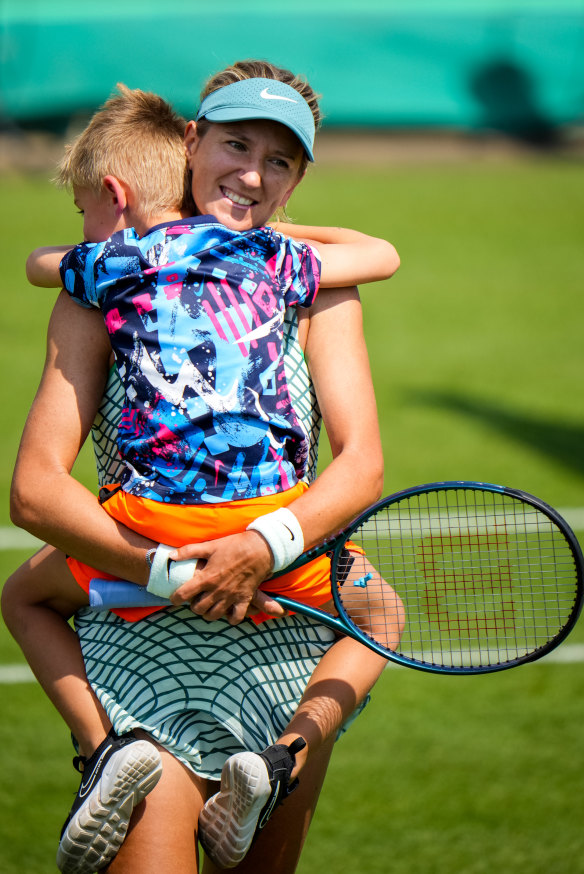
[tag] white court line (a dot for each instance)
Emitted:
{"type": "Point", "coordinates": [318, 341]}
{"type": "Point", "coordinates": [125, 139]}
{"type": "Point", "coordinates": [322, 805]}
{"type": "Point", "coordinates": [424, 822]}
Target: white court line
{"type": "Point", "coordinates": [574, 516]}
{"type": "Point", "coordinates": [10, 674]}
{"type": "Point", "coordinates": [567, 654]}
{"type": "Point", "coordinates": [16, 538]}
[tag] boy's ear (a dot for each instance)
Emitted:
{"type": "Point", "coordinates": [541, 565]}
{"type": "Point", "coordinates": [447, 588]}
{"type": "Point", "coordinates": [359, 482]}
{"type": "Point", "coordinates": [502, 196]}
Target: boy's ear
{"type": "Point", "coordinates": [118, 192]}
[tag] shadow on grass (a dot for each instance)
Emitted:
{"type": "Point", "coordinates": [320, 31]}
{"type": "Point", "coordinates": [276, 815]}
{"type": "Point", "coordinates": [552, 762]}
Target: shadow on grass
{"type": "Point", "coordinates": [562, 441]}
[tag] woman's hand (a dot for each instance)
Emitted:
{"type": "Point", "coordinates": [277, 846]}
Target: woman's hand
{"type": "Point", "coordinates": [228, 582]}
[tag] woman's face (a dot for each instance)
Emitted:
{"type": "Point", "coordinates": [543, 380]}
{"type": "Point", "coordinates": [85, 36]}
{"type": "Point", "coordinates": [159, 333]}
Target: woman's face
{"type": "Point", "coordinates": [243, 170]}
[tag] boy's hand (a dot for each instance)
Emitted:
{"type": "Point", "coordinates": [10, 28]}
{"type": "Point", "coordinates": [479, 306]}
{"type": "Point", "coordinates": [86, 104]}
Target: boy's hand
{"type": "Point", "coordinates": [227, 584]}
{"type": "Point", "coordinates": [347, 257]}
{"type": "Point", "coordinates": [42, 266]}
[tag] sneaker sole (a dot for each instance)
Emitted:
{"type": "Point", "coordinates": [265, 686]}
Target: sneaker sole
{"type": "Point", "coordinates": [97, 830]}
{"type": "Point", "coordinates": [227, 822]}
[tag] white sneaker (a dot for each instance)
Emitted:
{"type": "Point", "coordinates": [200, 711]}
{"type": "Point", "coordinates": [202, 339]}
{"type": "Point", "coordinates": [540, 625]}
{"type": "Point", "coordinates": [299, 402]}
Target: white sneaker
{"type": "Point", "coordinates": [119, 774]}
{"type": "Point", "coordinates": [252, 786]}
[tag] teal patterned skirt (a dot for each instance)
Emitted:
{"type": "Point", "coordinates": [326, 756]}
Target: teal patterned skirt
{"type": "Point", "coordinates": [204, 690]}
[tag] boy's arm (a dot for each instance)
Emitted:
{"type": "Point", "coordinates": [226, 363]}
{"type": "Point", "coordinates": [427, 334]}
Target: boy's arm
{"type": "Point", "coordinates": [347, 257]}
{"type": "Point", "coordinates": [42, 266]}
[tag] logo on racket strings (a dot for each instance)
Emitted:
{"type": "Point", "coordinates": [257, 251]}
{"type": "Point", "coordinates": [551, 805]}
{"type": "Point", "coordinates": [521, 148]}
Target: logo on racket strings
{"type": "Point", "coordinates": [463, 596]}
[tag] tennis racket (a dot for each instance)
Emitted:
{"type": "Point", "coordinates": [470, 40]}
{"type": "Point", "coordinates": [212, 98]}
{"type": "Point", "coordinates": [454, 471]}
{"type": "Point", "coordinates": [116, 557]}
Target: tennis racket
{"type": "Point", "coordinates": [456, 577]}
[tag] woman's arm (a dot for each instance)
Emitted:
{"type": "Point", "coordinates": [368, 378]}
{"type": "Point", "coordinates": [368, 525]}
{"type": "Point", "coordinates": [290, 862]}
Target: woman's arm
{"type": "Point", "coordinates": [337, 358]}
{"type": "Point", "coordinates": [347, 257]}
{"type": "Point", "coordinates": [339, 367]}
{"type": "Point", "coordinates": [45, 499]}
{"type": "Point", "coordinates": [42, 266]}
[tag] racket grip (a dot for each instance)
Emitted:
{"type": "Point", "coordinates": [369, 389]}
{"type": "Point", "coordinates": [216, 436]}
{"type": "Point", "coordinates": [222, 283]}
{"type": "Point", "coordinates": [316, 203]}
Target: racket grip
{"type": "Point", "coordinates": [114, 594]}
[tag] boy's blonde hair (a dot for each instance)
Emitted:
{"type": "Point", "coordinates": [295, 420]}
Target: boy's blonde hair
{"type": "Point", "coordinates": [137, 137]}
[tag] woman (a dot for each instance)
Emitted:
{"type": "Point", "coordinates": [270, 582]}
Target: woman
{"type": "Point", "coordinates": [72, 383]}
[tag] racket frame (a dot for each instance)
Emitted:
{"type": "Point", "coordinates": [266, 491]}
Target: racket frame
{"type": "Point", "coordinates": [337, 543]}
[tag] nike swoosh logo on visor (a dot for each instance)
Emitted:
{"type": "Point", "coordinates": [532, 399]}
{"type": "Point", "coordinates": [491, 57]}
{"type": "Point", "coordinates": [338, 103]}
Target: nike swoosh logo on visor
{"type": "Point", "coordinates": [267, 96]}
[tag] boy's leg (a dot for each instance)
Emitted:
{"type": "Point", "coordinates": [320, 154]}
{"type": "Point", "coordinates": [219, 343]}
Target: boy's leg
{"type": "Point", "coordinates": [117, 773]}
{"type": "Point", "coordinates": [37, 601]}
{"type": "Point", "coordinates": [277, 850]}
{"type": "Point", "coordinates": [253, 784]}
{"type": "Point", "coordinates": [348, 670]}
{"type": "Point", "coordinates": [340, 682]}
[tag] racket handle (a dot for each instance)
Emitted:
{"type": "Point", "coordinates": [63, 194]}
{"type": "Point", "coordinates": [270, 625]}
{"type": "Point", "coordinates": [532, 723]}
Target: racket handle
{"type": "Point", "coordinates": [114, 594]}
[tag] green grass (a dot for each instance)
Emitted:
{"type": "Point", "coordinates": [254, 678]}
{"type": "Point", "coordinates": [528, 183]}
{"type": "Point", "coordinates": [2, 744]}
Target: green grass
{"type": "Point", "coordinates": [476, 348]}
{"type": "Point", "coordinates": [476, 343]}
{"type": "Point", "coordinates": [459, 775]}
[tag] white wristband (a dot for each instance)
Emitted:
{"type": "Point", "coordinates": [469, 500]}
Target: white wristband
{"type": "Point", "coordinates": [166, 576]}
{"type": "Point", "coordinates": [281, 529]}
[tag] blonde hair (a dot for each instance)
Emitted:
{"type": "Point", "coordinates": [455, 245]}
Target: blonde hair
{"type": "Point", "coordinates": [137, 137]}
{"type": "Point", "coordinates": [258, 69]}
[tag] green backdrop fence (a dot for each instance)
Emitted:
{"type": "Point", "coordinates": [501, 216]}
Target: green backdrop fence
{"type": "Point", "coordinates": [516, 65]}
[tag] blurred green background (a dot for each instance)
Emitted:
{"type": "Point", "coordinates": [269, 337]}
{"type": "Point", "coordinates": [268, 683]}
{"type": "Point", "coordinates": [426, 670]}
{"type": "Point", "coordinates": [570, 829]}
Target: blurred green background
{"type": "Point", "coordinates": [476, 351]}
{"type": "Point", "coordinates": [515, 65]}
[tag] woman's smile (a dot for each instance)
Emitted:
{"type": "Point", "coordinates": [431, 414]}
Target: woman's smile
{"type": "Point", "coordinates": [237, 199]}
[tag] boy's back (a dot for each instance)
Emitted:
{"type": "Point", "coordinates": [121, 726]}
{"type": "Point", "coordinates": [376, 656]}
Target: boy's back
{"type": "Point", "coordinates": [195, 314]}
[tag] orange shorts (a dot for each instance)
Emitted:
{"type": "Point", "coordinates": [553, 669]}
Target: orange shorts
{"type": "Point", "coordinates": [179, 524]}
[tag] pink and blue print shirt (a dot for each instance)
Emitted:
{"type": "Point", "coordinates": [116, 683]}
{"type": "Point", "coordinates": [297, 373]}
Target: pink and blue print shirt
{"type": "Point", "coordinates": [195, 316]}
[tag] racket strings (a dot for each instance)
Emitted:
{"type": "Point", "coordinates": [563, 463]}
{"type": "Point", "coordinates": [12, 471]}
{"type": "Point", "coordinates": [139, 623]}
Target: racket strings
{"type": "Point", "coordinates": [460, 578]}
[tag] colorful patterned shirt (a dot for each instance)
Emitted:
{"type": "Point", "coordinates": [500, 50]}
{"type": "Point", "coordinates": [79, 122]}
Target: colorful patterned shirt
{"type": "Point", "coordinates": [195, 314]}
